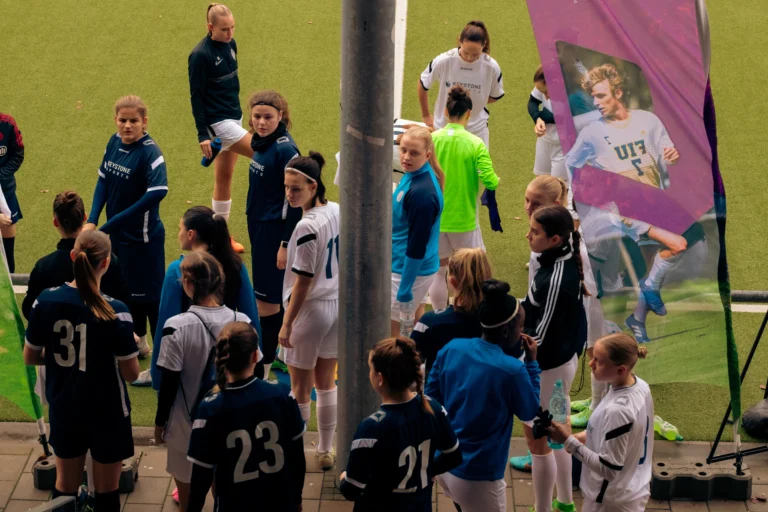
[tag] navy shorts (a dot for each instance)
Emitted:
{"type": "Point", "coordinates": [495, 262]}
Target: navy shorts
{"type": "Point", "coordinates": [267, 278]}
{"type": "Point", "coordinates": [73, 437]}
{"type": "Point", "coordinates": [143, 266]}
{"type": "Point", "coordinates": [13, 205]}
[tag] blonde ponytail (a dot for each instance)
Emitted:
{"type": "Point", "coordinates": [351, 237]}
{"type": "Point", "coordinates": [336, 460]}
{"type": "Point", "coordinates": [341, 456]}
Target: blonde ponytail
{"type": "Point", "coordinates": [91, 249]}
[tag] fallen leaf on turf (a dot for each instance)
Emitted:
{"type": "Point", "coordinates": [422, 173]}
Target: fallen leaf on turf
{"type": "Point", "coordinates": [518, 218]}
{"type": "Point", "coordinates": [309, 22]}
{"type": "Point", "coordinates": [44, 191]}
{"type": "Point", "coordinates": [189, 202]}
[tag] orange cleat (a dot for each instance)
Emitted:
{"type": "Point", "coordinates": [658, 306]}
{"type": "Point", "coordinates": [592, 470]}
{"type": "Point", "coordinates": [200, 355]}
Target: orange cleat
{"type": "Point", "coordinates": [236, 246]}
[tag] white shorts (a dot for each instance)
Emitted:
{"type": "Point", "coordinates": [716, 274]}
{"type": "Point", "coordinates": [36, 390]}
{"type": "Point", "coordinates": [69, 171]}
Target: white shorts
{"type": "Point", "coordinates": [475, 496]}
{"type": "Point", "coordinates": [178, 466]}
{"type": "Point", "coordinates": [229, 131]}
{"type": "Point", "coordinates": [632, 506]}
{"type": "Point", "coordinates": [419, 291]}
{"type": "Point", "coordinates": [549, 160]}
{"type": "Point", "coordinates": [315, 334]}
{"type": "Point", "coordinates": [451, 242]}
{"type": "Point", "coordinates": [485, 135]}
{"type": "Point", "coordinates": [566, 373]}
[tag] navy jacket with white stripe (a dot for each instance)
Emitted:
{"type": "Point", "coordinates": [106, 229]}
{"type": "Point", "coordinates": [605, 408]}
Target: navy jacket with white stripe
{"type": "Point", "coordinates": [554, 313]}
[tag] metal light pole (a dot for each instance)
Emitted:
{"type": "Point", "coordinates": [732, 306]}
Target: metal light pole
{"type": "Point", "coordinates": [367, 99]}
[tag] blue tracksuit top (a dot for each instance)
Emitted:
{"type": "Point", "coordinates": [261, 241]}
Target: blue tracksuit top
{"type": "Point", "coordinates": [416, 207]}
{"type": "Point", "coordinates": [482, 388]}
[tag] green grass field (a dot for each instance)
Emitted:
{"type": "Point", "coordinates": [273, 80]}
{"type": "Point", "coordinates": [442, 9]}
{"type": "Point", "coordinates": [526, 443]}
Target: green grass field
{"type": "Point", "coordinates": [64, 67]}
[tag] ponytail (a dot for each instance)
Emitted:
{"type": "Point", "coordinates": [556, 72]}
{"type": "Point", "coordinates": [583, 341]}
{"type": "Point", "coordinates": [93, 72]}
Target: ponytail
{"type": "Point", "coordinates": [91, 249]}
{"type": "Point", "coordinates": [234, 350]}
{"type": "Point", "coordinates": [206, 275]}
{"type": "Point", "coordinates": [579, 264]}
{"type": "Point", "coordinates": [622, 349]}
{"type": "Point", "coordinates": [399, 363]}
{"type": "Point", "coordinates": [557, 220]}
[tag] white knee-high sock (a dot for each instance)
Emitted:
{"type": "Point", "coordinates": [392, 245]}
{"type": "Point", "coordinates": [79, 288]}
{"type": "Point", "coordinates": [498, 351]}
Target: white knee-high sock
{"type": "Point", "coordinates": [564, 480]}
{"type": "Point", "coordinates": [221, 208]}
{"type": "Point", "coordinates": [660, 269]}
{"type": "Point", "coordinates": [438, 290]}
{"type": "Point", "coordinates": [267, 368]}
{"type": "Point", "coordinates": [599, 389]}
{"type": "Point", "coordinates": [544, 472]}
{"type": "Point", "coordinates": [326, 417]}
{"type": "Point", "coordinates": [641, 309]}
{"type": "Point", "coordinates": [305, 412]}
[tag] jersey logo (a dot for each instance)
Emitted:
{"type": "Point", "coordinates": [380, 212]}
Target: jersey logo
{"type": "Point", "coordinates": [218, 61]}
{"type": "Point", "coordinates": [211, 397]}
{"type": "Point", "coordinates": [233, 54]}
{"type": "Point", "coordinates": [282, 139]}
{"type": "Point", "coordinates": [3, 150]}
{"type": "Point", "coordinates": [378, 416]}
{"type": "Point", "coordinates": [626, 150]}
{"type": "Point", "coordinates": [400, 196]}
{"type": "Point", "coordinates": [149, 142]}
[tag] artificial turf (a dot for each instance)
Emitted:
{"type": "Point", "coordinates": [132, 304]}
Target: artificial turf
{"type": "Point", "coordinates": [64, 67]}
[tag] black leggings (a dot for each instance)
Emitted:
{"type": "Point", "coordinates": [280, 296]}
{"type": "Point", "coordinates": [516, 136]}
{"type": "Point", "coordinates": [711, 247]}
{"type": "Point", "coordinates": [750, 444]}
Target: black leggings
{"type": "Point", "coordinates": [141, 312]}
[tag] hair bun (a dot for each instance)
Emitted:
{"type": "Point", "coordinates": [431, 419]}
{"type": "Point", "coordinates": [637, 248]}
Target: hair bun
{"type": "Point", "coordinates": [495, 291]}
{"type": "Point", "coordinates": [317, 157]}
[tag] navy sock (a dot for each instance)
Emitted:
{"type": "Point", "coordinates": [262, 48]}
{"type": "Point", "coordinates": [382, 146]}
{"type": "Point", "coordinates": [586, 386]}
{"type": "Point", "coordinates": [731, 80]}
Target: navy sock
{"type": "Point", "coordinates": [8, 244]}
{"type": "Point", "coordinates": [57, 493]}
{"type": "Point", "coordinates": [107, 501]}
{"type": "Point", "coordinates": [270, 329]}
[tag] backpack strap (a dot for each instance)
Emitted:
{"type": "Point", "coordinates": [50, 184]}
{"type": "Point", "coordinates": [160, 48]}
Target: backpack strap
{"type": "Point", "coordinates": [211, 356]}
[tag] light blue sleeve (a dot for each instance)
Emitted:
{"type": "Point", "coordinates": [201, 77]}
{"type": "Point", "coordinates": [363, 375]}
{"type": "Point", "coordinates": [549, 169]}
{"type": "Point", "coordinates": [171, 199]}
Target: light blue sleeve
{"type": "Point", "coordinates": [170, 305]}
{"type": "Point", "coordinates": [246, 303]}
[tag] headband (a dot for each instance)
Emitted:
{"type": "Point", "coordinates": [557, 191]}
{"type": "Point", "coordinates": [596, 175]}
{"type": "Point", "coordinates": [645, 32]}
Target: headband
{"type": "Point", "coordinates": [310, 178]}
{"type": "Point", "coordinates": [514, 314]}
{"type": "Point", "coordinates": [266, 103]}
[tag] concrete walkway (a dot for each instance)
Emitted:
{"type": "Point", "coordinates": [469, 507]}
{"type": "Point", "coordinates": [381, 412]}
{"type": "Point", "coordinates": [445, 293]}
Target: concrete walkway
{"type": "Point", "coordinates": [18, 453]}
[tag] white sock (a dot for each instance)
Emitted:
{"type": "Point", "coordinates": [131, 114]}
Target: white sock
{"type": "Point", "coordinates": [564, 479]}
{"type": "Point", "coordinates": [599, 389]}
{"type": "Point", "coordinates": [660, 269]}
{"type": "Point", "coordinates": [544, 473]}
{"type": "Point", "coordinates": [142, 341]}
{"type": "Point", "coordinates": [89, 469]}
{"type": "Point", "coordinates": [305, 412]}
{"type": "Point", "coordinates": [221, 208]}
{"type": "Point", "coordinates": [438, 290]}
{"type": "Point", "coordinates": [326, 418]}
{"type": "Point", "coordinates": [267, 368]}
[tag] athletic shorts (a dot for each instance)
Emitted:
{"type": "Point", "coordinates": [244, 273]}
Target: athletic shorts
{"type": "Point", "coordinates": [632, 506]}
{"type": "Point", "coordinates": [73, 437]}
{"type": "Point", "coordinates": [566, 373]}
{"type": "Point", "coordinates": [418, 290]}
{"type": "Point", "coordinates": [229, 131]}
{"type": "Point", "coordinates": [143, 266]}
{"type": "Point", "coordinates": [452, 242]}
{"type": "Point", "coordinates": [475, 496]}
{"type": "Point", "coordinates": [315, 334]}
{"type": "Point", "coordinates": [13, 205]}
{"type": "Point", "coordinates": [267, 278]}
{"type": "Point", "coordinates": [178, 466]}
{"type": "Point", "coordinates": [549, 160]}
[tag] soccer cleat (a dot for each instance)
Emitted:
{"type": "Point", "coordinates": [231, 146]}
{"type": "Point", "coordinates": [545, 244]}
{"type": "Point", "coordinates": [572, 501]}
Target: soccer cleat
{"type": "Point", "coordinates": [523, 463]}
{"type": "Point", "coordinates": [580, 405]}
{"type": "Point", "coordinates": [326, 459]}
{"type": "Point", "coordinates": [84, 501]}
{"type": "Point", "coordinates": [653, 299]}
{"type": "Point", "coordinates": [144, 380]}
{"type": "Point", "coordinates": [638, 329]}
{"type": "Point", "coordinates": [581, 418]}
{"type": "Point", "coordinates": [278, 365]}
{"type": "Point", "coordinates": [144, 348]}
{"type": "Point", "coordinates": [563, 507]}
{"type": "Point", "coordinates": [236, 246]}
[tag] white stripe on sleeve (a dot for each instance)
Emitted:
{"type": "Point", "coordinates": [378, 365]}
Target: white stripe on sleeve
{"type": "Point", "coordinates": [199, 424]}
{"type": "Point", "coordinates": [363, 443]}
{"type": "Point", "coordinates": [125, 317]}
{"type": "Point", "coordinates": [159, 160]}
{"type": "Point", "coordinates": [552, 294]}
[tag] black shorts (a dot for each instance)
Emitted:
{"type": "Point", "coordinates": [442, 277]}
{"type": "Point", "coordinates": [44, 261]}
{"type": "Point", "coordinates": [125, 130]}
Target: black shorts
{"type": "Point", "coordinates": [13, 205]}
{"type": "Point", "coordinates": [108, 443]}
{"type": "Point", "coordinates": [267, 278]}
{"type": "Point", "coordinates": [143, 267]}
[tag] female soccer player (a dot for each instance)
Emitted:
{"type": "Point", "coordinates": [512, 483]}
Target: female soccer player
{"type": "Point", "coordinates": [617, 450]}
{"type": "Point", "coordinates": [186, 361]}
{"type": "Point", "coordinates": [201, 230]}
{"type": "Point", "coordinates": [132, 182]}
{"type": "Point", "coordinates": [11, 158]}
{"type": "Point", "coordinates": [403, 434]}
{"type": "Point", "coordinates": [483, 385]}
{"type": "Point", "coordinates": [81, 374]}
{"type": "Point", "coordinates": [468, 269]}
{"type": "Point", "coordinates": [250, 431]}
{"type": "Point", "coordinates": [214, 88]}
{"type": "Point", "coordinates": [556, 320]}
{"type": "Point", "coordinates": [466, 163]}
{"type": "Point", "coordinates": [417, 203]}
{"type": "Point", "coordinates": [549, 155]}
{"type": "Point", "coordinates": [271, 220]}
{"type": "Point", "coordinates": [311, 298]}
{"type": "Point", "coordinates": [470, 65]}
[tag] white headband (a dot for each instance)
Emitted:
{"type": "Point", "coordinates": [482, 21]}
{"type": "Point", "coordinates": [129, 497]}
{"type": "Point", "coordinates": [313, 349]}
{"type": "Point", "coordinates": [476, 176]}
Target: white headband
{"type": "Point", "coordinates": [310, 178]}
{"type": "Point", "coordinates": [514, 314]}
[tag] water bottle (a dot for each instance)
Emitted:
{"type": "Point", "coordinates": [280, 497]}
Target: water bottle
{"type": "Point", "coordinates": [666, 430]}
{"type": "Point", "coordinates": [558, 408]}
{"type": "Point", "coordinates": [407, 318]}
{"type": "Point", "coordinates": [215, 148]}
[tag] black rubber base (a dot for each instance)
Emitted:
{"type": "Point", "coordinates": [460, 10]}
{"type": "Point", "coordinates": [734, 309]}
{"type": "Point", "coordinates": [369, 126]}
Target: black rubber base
{"type": "Point", "coordinates": [698, 481]}
{"type": "Point", "coordinates": [44, 474]}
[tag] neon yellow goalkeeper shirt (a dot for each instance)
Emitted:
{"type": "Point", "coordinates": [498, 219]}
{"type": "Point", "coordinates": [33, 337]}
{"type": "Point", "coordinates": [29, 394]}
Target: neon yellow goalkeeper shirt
{"type": "Point", "coordinates": [466, 163]}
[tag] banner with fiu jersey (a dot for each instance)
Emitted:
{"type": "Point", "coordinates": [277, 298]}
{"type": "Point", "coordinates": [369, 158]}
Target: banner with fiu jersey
{"type": "Point", "coordinates": [627, 85]}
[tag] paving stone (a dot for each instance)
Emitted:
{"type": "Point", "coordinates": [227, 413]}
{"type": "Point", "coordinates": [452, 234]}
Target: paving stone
{"type": "Point", "coordinates": [657, 505]}
{"type": "Point", "coordinates": [171, 506]}
{"type": "Point", "coordinates": [727, 506]}
{"type": "Point", "coordinates": [11, 466]}
{"type": "Point", "coordinates": [144, 507]}
{"type": "Point", "coordinates": [32, 459]}
{"type": "Point", "coordinates": [6, 488]}
{"type": "Point", "coordinates": [313, 486]}
{"type": "Point", "coordinates": [152, 464]}
{"type": "Point", "coordinates": [758, 506]}
{"type": "Point", "coordinates": [689, 506]}
{"type": "Point", "coordinates": [523, 492]}
{"type": "Point", "coordinates": [22, 505]}
{"type": "Point", "coordinates": [16, 447]}
{"type": "Point", "coordinates": [310, 505]}
{"type": "Point", "coordinates": [336, 506]}
{"type": "Point", "coordinates": [25, 490]}
{"type": "Point", "coordinates": [677, 451]}
{"type": "Point", "coordinates": [152, 491]}
{"type": "Point", "coordinates": [444, 504]}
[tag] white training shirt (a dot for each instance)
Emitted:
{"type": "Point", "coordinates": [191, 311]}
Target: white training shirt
{"type": "Point", "coordinates": [313, 251]}
{"type": "Point", "coordinates": [551, 136]}
{"type": "Point", "coordinates": [185, 348]}
{"type": "Point", "coordinates": [618, 456]}
{"type": "Point", "coordinates": [481, 78]}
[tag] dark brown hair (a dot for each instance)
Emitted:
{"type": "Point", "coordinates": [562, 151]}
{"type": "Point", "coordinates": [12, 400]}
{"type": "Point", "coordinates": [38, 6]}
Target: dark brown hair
{"type": "Point", "coordinates": [91, 249]}
{"type": "Point", "coordinates": [311, 166]}
{"type": "Point", "coordinates": [398, 361]}
{"type": "Point", "coordinates": [206, 275]}
{"type": "Point", "coordinates": [538, 76]}
{"type": "Point", "coordinates": [275, 100]}
{"type": "Point", "coordinates": [459, 102]}
{"type": "Point", "coordinates": [557, 220]}
{"type": "Point", "coordinates": [234, 349]}
{"type": "Point", "coordinates": [476, 32]}
{"type": "Point", "coordinates": [69, 210]}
